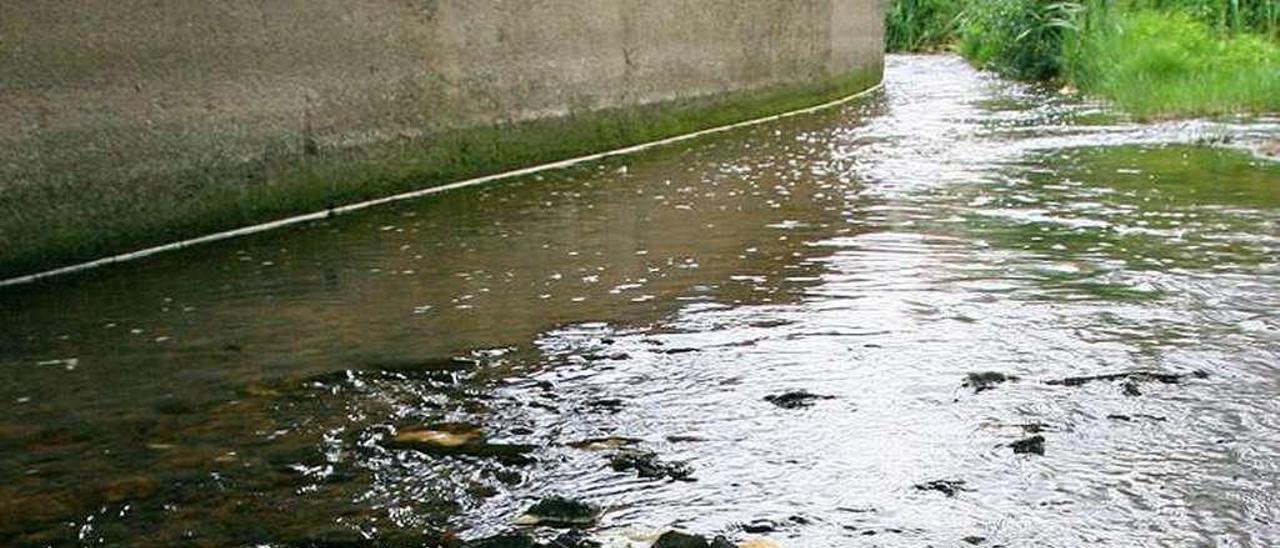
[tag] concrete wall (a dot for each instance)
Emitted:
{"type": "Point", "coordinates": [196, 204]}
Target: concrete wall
{"type": "Point", "coordinates": [117, 101]}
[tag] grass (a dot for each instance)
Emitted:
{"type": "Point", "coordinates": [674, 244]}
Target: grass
{"type": "Point", "coordinates": [921, 25]}
{"type": "Point", "coordinates": [47, 226]}
{"type": "Point", "coordinates": [1024, 39]}
{"type": "Point", "coordinates": [1153, 58]}
{"type": "Point", "coordinates": [1160, 64]}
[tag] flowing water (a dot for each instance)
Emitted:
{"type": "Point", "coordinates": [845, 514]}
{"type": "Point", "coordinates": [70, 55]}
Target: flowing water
{"type": "Point", "coordinates": [243, 393]}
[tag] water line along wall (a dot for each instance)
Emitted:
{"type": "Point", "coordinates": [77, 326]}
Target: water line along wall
{"type": "Point", "coordinates": [134, 122]}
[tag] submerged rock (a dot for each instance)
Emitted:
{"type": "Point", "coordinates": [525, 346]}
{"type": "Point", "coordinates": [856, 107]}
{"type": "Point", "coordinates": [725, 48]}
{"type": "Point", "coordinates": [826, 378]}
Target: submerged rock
{"type": "Point", "coordinates": [797, 399]}
{"type": "Point", "coordinates": [647, 465]}
{"type": "Point", "coordinates": [574, 539]}
{"type": "Point", "coordinates": [604, 444]}
{"type": "Point", "coordinates": [988, 380]}
{"type": "Point", "coordinates": [508, 540]}
{"type": "Point", "coordinates": [1271, 149]}
{"type": "Point", "coordinates": [1033, 444]}
{"type": "Point", "coordinates": [949, 488]}
{"type": "Point", "coordinates": [561, 513]}
{"type": "Point", "coordinates": [611, 405]}
{"type": "Point", "coordinates": [1132, 376]}
{"type": "Point", "coordinates": [676, 539]}
{"type": "Point", "coordinates": [459, 439]}
{"type": "Point", "coordinates": [441, 437]}
{"type": "Point", "coordinates": [1129, 418]}
{"type": "Point", "coordinates": [759, 527]}
{"type": "Point", "coordinates": [427, 367]}
{"type": "Point", "coordinates": [1131, 389]}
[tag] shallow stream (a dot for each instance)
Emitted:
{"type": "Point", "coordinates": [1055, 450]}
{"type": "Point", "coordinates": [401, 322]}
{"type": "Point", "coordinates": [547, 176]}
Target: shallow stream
{"type": "Point", "coordinates": [873, 256]}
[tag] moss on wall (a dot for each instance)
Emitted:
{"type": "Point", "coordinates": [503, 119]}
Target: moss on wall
{"type": "Point", "coordinates": [131, 123]}
{"type": "Point", "coordinates": [64, 229]}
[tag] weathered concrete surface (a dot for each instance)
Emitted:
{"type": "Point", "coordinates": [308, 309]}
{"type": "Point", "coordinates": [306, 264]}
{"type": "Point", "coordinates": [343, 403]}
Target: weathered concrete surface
{"type": "Point", "coordinates": [111, 112]}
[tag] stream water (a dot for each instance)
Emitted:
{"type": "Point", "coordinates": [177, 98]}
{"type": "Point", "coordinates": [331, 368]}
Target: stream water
{"type": "Point", "coordinates": [243, 393]}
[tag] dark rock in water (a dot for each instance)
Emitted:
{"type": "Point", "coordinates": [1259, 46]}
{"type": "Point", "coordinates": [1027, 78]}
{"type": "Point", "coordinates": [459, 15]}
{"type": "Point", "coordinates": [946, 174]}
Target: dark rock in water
{"type": "Point", "coordinates": [509, 540]}
{"type": "Point", "coordinates": [949, 488]}
{"type": "Point", "coordinates": [455, 364]}
{"type": "Point", "coordinates": [1033, 427]}
{"type": "Point", "coordinates": [341, 537]}
{"type": "Point", "coordinates": [759, 527]}
{"type": "Point", "coordinates": [605, 444]}
{"type": "Point", "coordinates": [1130, 418]}
{"type": "Point", "coordinates": [609, 404]}
{"type": "Point", "coordinates": [981, 382]}
{"type": "Point", "coordinates": [131, 489]}
{"type": "Point", "coordinates": [648, 465]}
{"type": "Point", "coordinates": [1135, 376]}
{"type": "Point", "coordinates": [1131, 389]}
{"type": "Point", "coordinates": [673, 351]}
{"type": "Point", "coordinates": [573, 539]}
{"type": "Point", "coordinates": [171, 405]}
{"type": "Point", "coordinates": [676, 539]}
{"type": "Point", "coordinates": [560, 512]}
{"type": "Point", "coordinates": [797, 399]}
{"type": "Point", "coordinates": [1033, 444]}
{"type": "Point", "coordinates": [975, 540]}
{"type": "Point", "coordinates": [481, 490]}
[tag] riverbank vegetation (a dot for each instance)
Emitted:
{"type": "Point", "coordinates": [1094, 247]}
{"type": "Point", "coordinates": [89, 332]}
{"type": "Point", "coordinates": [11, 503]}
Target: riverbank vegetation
{"type": "Point", "coordinates": [1153, 58]}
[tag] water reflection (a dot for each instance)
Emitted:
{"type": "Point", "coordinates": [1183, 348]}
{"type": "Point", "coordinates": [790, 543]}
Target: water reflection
{"type": "Point", "coordinates": [245, 392]}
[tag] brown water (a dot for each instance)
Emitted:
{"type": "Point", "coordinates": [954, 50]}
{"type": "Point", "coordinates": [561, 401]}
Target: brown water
{"type": "Point", "coordinates": [241, 393]}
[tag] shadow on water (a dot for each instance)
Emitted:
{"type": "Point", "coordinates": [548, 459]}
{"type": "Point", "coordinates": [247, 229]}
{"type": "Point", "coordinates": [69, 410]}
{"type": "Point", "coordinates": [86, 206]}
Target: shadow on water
{"type": "Point", "coordinates": [766, 333]}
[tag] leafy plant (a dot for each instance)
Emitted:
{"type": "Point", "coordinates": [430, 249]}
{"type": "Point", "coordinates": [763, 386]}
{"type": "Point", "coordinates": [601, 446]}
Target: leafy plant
{"type": "Point", "coordinates": [1019, 38]}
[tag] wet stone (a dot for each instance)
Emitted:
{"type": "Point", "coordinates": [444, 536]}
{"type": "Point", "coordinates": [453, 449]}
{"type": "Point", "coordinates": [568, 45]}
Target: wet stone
{"type": "Point", "coordinates": [509, 540]}
{"type": "Point", "coordinates": [436, 369]}
{"type": "Point", "coordinates": [759, 527]}
{"type": "Point", "coordinates": [604, 444]}
{"type": "Point", "coordinates": [797, 399]}
{"type": "Point", "coordinates": [573, 539]}
{"type": "Point", "coordinates": [561, 513]}
{"type": "Point", "coordinates": [440, 437]}
{"type": "Point", "coordinates": [647, 465]}
{"type": "Point", "coordinates": [1132, 376]}
{"type": "Point", "coordinates": [1130, 418]}
{"type": "Point", "coordinates": [676, 539]}
{"type": "Point", "coordinates": [949, 488]}
{"type": "Point", "coordinates": [612, 405]}
{"type": "Point", "coordinates": [677, 351]}
{"type": "Point", "coordinates": [1032, 445]}
{"type": "Point", "coordinates": [459, 439]}
{"type": "Point", "coordinates": [975, 540]}
{"type": "Point", "coordinates": [509, 477]}
{"type": "Point", "coordinates": [988, 380]}
{"type": "Point", "coordinates": [1131, 389]}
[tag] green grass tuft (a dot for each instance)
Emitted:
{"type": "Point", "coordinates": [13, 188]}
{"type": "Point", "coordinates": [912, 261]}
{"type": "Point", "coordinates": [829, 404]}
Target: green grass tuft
{"type": "Point", "coordinates": [921, 25]}
{"type": "Point", "coordinates": [1154, 58]}
{"type": "Point", "coordinates": [1160, 64]}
